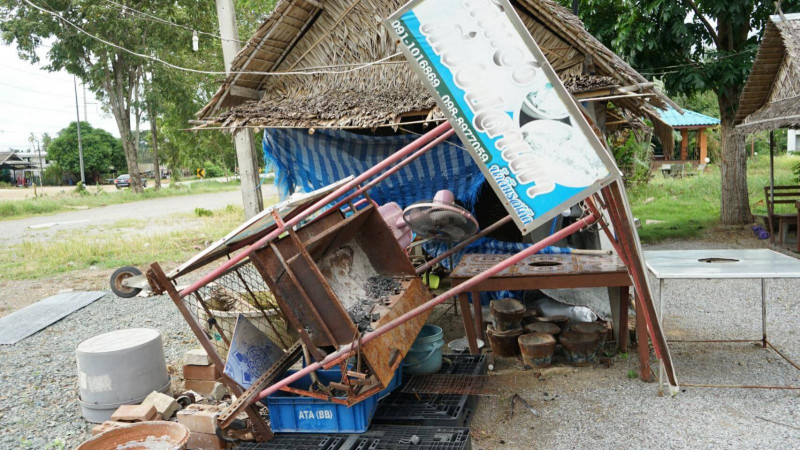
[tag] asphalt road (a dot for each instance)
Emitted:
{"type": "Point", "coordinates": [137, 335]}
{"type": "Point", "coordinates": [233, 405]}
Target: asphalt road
{"type": "Point", "coordinates": [43, 227]}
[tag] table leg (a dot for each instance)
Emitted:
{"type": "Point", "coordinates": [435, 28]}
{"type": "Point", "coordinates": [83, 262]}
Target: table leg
{"type": "Point", "coordinates": [478, 315]}
{"type": "Point", "coordinates": [469, 327]}
{"type": "Point", "coordinates": [764, 312]}
{"type": "Point", "coordinates": [641, 341]}
{"type": "Point", "coordinates": [622, 339]}
{"type": "Point", "coordinates": [661, 319]}
{"type": "Point", "coordinates": [615, 301]}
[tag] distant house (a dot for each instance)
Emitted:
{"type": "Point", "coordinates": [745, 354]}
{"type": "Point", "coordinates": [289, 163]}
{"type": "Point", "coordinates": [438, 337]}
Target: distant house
{"type": "Point", "coordinates": [686, 122]}
{"type": "Point", "coordinates": [33, 158]}
{"type": "Point", "coordinates": [15, 166]}
{"type": "Point", "coordinates": [771, 98]}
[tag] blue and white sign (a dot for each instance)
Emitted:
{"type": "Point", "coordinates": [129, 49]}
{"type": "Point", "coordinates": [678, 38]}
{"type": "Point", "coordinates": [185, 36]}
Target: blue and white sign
{"type": "Point", "coordinates": [506, 103]}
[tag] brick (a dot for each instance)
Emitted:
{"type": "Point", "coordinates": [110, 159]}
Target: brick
{"type": "Point", "coordinates": [135, 413]}
{"type": "Point", "coordinates": [199, 386]}
{"type": "Point", "coordinates": [196, 357]}
{"type": "Point", "coordinates": [203, 373]}
{"type": "Point", "coordinates": [107, 425]}
{"type": "Point", "coordinates": [205, 441]}
{"type": "Point", "coordinates": [165, 405]}
{"type": "Point", "coordinates": [199, 418]}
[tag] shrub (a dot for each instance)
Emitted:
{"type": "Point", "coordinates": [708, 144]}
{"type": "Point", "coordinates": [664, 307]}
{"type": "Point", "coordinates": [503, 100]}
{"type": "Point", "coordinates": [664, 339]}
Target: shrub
{"type": "Point", "coordinates": [633, 157]}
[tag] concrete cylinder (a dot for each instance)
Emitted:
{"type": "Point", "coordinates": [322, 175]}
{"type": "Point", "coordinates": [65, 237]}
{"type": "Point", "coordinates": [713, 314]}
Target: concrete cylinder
{"type": "Point", "coordinates": [119, 368]}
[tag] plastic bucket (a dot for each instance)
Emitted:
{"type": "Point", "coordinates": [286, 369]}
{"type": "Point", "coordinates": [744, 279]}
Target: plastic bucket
{"type": "Point", "coordinates": [425, 355]}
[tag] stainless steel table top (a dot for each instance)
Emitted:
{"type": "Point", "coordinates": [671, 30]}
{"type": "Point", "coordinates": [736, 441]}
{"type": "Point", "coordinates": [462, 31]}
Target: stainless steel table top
{"type": "Point", "coordinates": [705, 264]}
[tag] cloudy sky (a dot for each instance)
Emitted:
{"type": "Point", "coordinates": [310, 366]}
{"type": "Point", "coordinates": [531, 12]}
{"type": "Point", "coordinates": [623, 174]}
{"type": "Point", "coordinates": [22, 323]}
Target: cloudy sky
{"type": "Point", "coordinates": [33, 100]}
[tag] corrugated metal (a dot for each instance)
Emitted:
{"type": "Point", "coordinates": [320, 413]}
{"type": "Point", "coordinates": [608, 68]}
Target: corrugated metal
{"type": "Point", "coordinates": [689, 119]}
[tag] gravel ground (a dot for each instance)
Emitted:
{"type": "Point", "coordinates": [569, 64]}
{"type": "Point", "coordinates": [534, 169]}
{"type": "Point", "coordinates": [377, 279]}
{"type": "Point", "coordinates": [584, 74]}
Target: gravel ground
{"type": "Point", "coordinates": [38, 376]}
{"type": "Point", "coordinates": [595, 407]}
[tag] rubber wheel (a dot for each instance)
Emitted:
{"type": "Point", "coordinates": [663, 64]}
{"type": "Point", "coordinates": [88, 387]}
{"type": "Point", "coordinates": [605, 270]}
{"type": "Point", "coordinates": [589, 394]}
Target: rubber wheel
{"type": "Point", "coordinates": [117, 278]}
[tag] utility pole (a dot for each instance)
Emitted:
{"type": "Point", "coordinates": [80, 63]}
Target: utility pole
{"type": "Point", "coordinates": [41, 163]}
{"type": "Point", "coordinates": [80, 143]}
{"type": "Point", "coordinates": [85, 114]}
{"type": "Point", "coordinates": [243, 138]}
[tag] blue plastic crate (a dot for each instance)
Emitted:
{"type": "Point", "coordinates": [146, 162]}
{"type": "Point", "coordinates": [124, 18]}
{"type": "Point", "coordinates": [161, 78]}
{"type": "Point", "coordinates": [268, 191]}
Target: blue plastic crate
{"type": "Point", "coordinates": [290, 413]}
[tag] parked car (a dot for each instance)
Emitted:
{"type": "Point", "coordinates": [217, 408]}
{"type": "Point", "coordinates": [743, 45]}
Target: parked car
{"type": "Point", "coordinates": [124, 181]}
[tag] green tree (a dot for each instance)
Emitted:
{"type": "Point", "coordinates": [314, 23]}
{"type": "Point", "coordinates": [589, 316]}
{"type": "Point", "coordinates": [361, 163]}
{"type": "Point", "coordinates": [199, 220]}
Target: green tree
{"type": "Point", "coordinates": [695, 45]}
{"type": "Point", "coordinates": [101, 151]}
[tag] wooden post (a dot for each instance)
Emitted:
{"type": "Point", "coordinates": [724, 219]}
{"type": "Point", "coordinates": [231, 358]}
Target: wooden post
{"type": "Point", "coordinates": [702, 138]}
{"type": "Point", "coordinates": [684, 144]}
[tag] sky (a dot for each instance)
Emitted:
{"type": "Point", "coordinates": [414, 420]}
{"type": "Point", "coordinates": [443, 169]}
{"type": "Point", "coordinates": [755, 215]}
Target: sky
{"type": "Point", "coordinates": [33, 100]}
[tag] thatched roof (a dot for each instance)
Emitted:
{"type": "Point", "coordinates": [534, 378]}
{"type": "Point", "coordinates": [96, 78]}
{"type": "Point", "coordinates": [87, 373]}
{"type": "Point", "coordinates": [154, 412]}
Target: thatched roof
{"type": "Point", "coordinates": [337, 35]}
{"type": "Point", "coordinates": [771, 96]}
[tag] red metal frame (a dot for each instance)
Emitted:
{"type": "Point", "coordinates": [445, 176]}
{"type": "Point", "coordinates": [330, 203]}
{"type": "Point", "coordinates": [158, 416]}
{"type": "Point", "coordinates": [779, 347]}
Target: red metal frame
{"type": "Point", "coordinates": [626, 247]}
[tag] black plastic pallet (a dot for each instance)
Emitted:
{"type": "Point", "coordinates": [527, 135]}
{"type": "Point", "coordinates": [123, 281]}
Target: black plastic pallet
{"type": "Point", "coordinates": [451, 410]}
{"type": "Point", "coordinates": [379, 437]}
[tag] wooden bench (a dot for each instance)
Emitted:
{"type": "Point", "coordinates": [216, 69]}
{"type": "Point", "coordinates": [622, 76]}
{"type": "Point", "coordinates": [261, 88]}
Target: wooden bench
{"type": "Point", "coordinates": [781, 195]}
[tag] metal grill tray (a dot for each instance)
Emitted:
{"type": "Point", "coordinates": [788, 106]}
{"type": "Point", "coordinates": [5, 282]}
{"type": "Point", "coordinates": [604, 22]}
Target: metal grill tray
{"type": "Point", "coordinates": [379, 437]}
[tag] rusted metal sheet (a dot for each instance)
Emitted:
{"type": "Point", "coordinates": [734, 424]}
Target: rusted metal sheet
{"type": "Point", "coordinates": [384, 353]}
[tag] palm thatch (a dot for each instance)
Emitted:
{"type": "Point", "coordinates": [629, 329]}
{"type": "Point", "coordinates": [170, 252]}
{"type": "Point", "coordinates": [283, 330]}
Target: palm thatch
{"type": "Point", "coordinates": [338, 35]}
{"type": "Point", "coordinates": [771, 96]}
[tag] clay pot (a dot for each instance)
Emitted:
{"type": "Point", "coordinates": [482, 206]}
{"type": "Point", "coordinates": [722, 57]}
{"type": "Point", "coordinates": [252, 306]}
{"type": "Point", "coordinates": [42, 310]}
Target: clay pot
{"type": "Point", "coordinates": [542, 327]}
{"type": "Point", "coordinates": [507, 313]}
{"type": "Point", "coordinates": [157, 435]}
{"type": "Point", "coordinates": [561, 321]}
{"type": "Point", "coordinates": [537, 349]}
{"type": "Point", "coordinates": [581, 348]}
{"type": "Point", "coordinates": [504, 343]}
{"type": "Point", "coordinates": [529, 316]}
{"type": "Point", "coordinates": [591, 328]}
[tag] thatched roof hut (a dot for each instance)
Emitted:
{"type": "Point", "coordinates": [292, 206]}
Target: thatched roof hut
{"type": "Point", "coordinates": [771, 97]}
{"type": "Point", "coordinates": [313, 36]}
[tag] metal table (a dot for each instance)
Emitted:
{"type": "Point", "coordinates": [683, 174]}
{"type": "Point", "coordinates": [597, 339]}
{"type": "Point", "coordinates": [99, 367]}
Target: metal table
{"type": "Point", "coordinates": [760, 264]}
{"type": "Point", "coordinates": [545, 272]}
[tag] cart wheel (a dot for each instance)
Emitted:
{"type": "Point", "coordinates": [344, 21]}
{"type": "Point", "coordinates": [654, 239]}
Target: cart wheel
{"type": "Point", "coordinates": [121, 274]}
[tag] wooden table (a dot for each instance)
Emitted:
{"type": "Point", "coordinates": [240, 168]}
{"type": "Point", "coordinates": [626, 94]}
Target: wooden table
{"type": "Point", "coordinates": [547, 272]}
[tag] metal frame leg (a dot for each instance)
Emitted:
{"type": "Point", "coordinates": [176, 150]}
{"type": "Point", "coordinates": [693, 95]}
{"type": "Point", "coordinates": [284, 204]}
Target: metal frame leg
{"type": "Point", "coordinates": [764, 312]}
{"type": "Point", "coordinates": [661, 319]}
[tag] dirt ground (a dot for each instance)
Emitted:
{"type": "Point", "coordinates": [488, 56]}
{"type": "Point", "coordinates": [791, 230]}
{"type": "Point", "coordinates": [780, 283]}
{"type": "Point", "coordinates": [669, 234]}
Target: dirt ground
{"type": "Point", "coordinates": [20, 293]}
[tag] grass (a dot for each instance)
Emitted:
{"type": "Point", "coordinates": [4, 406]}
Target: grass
{"type": "Point", "coordinates": [70, 200]}
{"type": "Point", "coordinates": [687, 207]}
{"type": "Point", "coordinates": [110, 247]}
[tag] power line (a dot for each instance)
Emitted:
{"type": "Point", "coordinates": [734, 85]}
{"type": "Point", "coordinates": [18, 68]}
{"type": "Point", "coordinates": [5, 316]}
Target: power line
{"type": "Point", "coordinates": [658, 70]}
{"type": "Point", "coordinates": [206, 72]}
{"type": "Point", "coordinates": [38, 92]}
{"type": "Point", "coordinates": [125, 8]}
{"type": "Point", "coordinates": [36, 107]}
{"type": "Point", "coordinates": [37, 74]}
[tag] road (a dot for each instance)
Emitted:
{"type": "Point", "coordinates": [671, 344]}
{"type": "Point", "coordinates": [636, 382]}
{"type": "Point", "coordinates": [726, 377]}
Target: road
{"type": "Point", "coordinates": [16, 231]}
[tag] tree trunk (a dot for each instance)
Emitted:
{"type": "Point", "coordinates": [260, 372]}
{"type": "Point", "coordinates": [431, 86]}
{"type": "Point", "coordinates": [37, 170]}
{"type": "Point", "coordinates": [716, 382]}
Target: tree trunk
{"type": "Point", "coordinates": [119, 99]}
{"type": "Point", "coordinates": [154, 139]}
{"type": "Point", "coordinates": [735, 201]}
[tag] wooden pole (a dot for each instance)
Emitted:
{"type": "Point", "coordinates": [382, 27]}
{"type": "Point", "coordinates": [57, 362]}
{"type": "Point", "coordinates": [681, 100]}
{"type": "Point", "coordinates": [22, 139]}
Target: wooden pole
{"type": "Point", "coordinates": [702, 138]}
{"type": "Point", "coordinates": [684, 144]}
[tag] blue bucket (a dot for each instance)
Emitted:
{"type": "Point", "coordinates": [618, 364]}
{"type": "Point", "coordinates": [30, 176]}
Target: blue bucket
{"type": "Point", "coordinates": [425, 355]}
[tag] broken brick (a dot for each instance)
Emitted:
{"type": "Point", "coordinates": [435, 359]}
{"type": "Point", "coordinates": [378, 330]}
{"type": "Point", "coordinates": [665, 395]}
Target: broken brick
{"type": "Point", "coordinates": [135, 413]}
{"type": "Point", "coordinates": [199, 418]}
{"type": "Point", "coordinates": [165, 405]}
{"type": "Point", "coordinates": [204, 373]}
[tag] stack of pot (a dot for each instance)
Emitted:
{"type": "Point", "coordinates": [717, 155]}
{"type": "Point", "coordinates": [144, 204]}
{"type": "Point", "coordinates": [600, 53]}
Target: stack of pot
{"type": "Point", "coordinates": [507, 326]}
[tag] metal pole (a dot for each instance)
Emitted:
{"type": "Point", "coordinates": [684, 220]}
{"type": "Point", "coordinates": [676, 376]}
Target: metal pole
{"type": "Point", "coordinates": [242, 138]}
{"type": "Point", "coordinates": [772, 170]}
{"type": "Point", "coordinates": [80, 143]}
{"type": "Point", "coordinates": [575, 7]}
{"type": "Point", "coordinates": [344, 351]}
{"type": "Point", "coordinates": [764, 312]}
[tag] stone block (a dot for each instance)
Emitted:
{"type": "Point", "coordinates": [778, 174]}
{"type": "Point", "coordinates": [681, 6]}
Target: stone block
{"type": "Point", "coordinates": [205, 441]}
{"type": "Point", "coordinates": [165, 405]}
{"type": "Point", "coordinates": [201, 386]}
{"type": "Point", "coordinates": [199, 418]}
{"type": "Point", "coordinates": [135, 413]}
{"type": "Point", "coordinates": [196, 357]}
